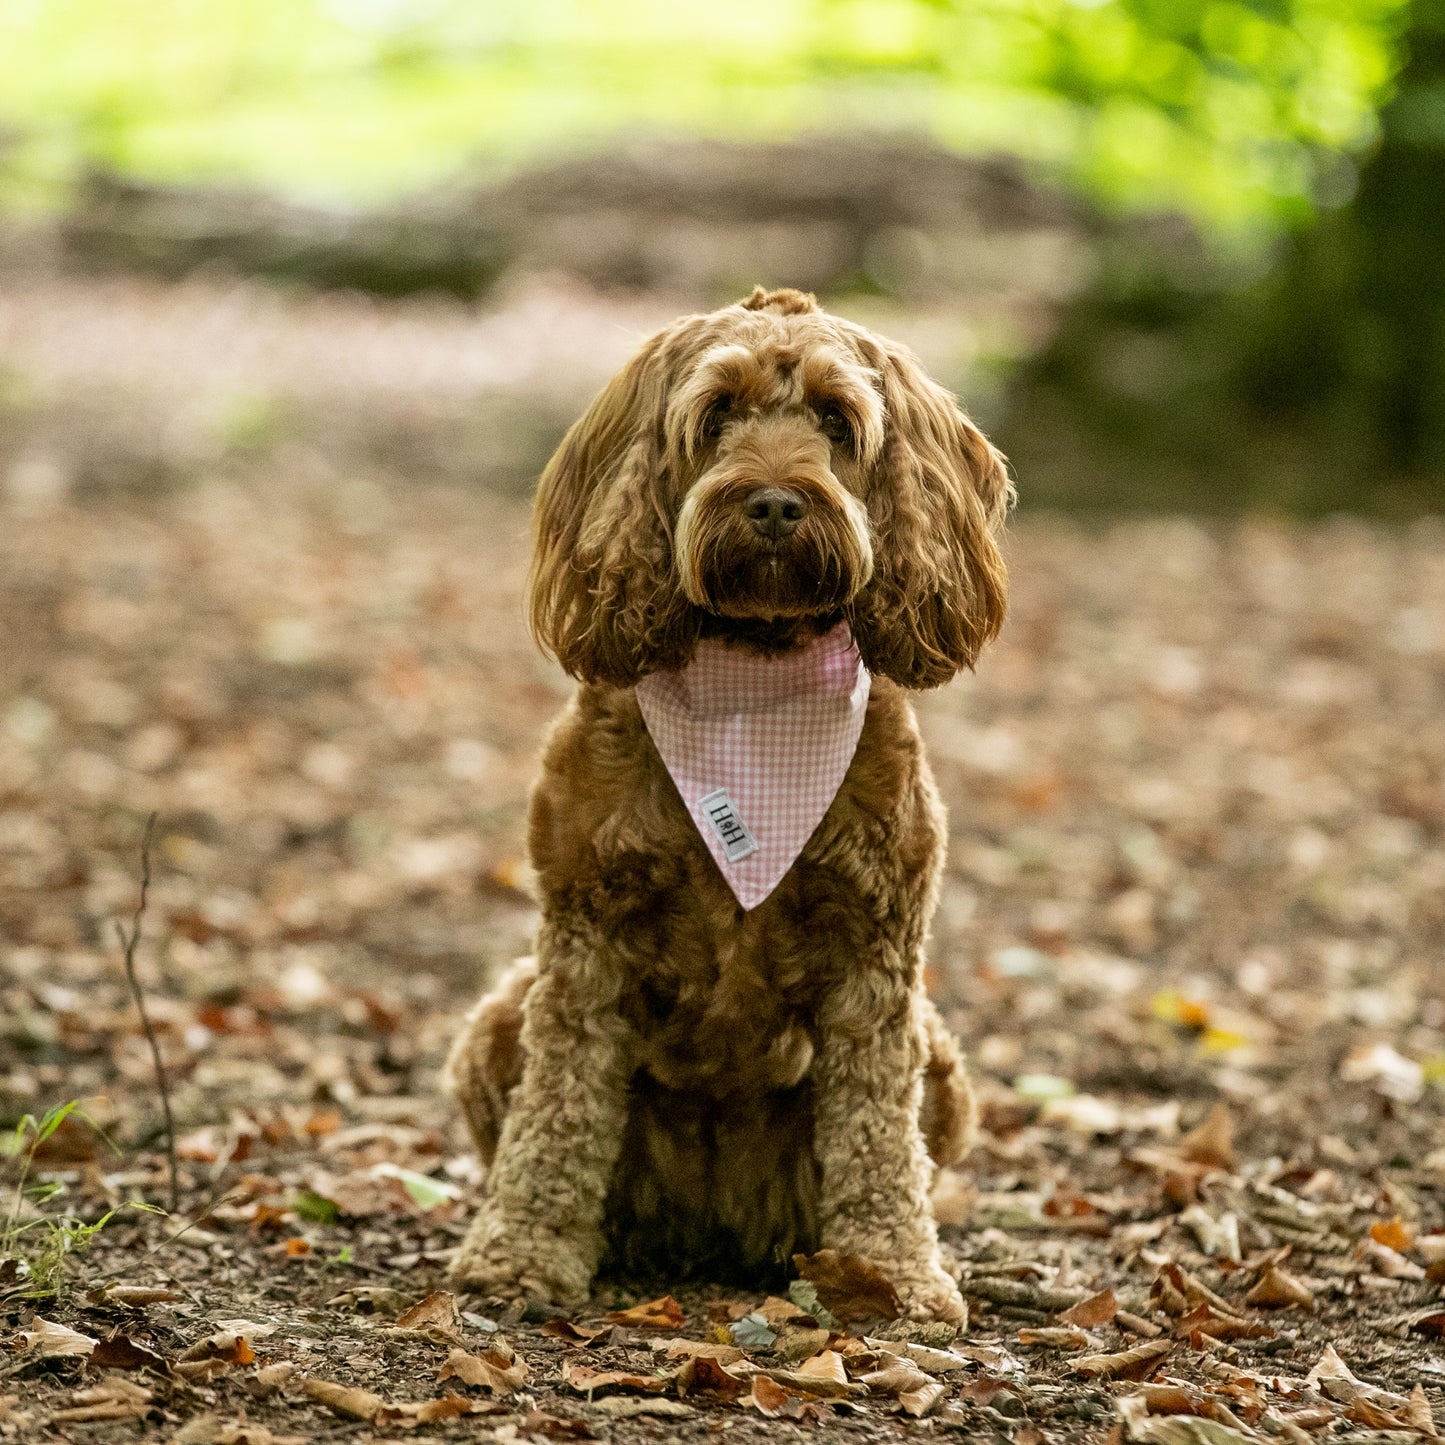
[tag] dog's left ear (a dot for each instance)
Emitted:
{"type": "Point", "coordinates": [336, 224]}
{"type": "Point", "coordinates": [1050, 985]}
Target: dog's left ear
{"type": "Point", "coordinates": [937, 499]}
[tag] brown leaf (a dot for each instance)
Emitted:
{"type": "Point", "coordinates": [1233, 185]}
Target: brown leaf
{"type": "Point", "coordinates": [920, 1401]}
{"type": "Point", "coordinates": [1277, 1289]}
{"type": "Point", "coordinates": [850, 1286]}
{"type": "Point", "coordinates": [1204, 1319]}
{"type": "Point", "coordinates": [985, 1390]}
{"type": "Point", "coordinates": [112, 1399]}
{"type": "Point", "coordinates": [1211, 1141]}
{"type": "Point", "coordinates": [133, 1295]}
{"type": "Point", "coordinates": [1061, 1337]}
{"type": "Point", "coordinates": [122, 1353]}
{"type": "Point", "coordinates": [894, 1379]}
{"type": "Point", "coordinates": [1393, 1234]}
{"type": "Point", "coordinates": [1173, 1400]}
{"type": "Point", "coordinates": [344, 1400]}
{"type": "Point", "coordinates": [1364, 1411]}
{"type": "Point", "coordinates": [490, 1371]}
{"type": "Point", "coordinates": [559, 1427]}
{"type": "Point", "coordinates": [701, 1374]}
{"type": "Point", "coordinates": [771, 1399]}
{"type": "Point", "coordinates": [50, 1341]}
{"type": "Point", "coordinates": [226, 1347]}
{"type": "Point", "coordinates": [723, 1354]}
{"type": "Point", "coordinates": [450, 1406]}
{"type": "Point", "coordinates": [1097, 1310]}
{"type": "Point", "coordinates": [658, 1314]}
{"type": "Point", "coordinates": [438, 1308]}
{"type": "Point", "coordinates": [1137, 1325]}
{"type": "Point", "coordinates": [827, 1384]}
{"type": "Point", "coordinates": [779, 1312]}
{"type": "Point", "coordinates": [827, 1365]}
{"type": "Point", "coordinates": [1133, 1364]}
{"type": "Point", "coordinates": [1418, 1415]}
{"type": "Point", "coordinates": [589, 1382]}
{"type": "Point", "coordinates": [564, 1329]}
{"type": "Point", "coordinates": [1389, 1262]}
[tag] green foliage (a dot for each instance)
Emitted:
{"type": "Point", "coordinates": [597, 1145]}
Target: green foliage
{"type": "Point", "coordinates": [1231, 108]}
{"type": "Point", "coordinates": [40, 1243]}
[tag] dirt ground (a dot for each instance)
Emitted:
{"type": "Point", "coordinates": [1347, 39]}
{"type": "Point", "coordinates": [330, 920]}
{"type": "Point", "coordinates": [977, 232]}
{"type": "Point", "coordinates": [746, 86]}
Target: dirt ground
{"type": "Point", "coordinates": [1191, 935]}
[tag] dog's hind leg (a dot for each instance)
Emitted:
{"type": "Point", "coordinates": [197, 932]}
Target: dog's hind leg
{"type": "Point", "coordinates": [485, 1063]}
{"type": "Point", "coordinates": [949, 1114]}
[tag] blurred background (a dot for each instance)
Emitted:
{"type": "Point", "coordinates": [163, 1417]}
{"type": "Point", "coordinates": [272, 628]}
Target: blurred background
{"type": "Point", "coordinates": [1175, 253]}
{"type": "Point", "coordinates": [296, 296]}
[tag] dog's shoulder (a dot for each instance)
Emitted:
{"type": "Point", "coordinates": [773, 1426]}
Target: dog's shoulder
{"type": "Point", "coordinates": [602, 792]}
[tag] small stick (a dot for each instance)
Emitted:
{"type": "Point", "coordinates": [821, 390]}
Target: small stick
{"type": "Point", "coordinates": [128, 945]}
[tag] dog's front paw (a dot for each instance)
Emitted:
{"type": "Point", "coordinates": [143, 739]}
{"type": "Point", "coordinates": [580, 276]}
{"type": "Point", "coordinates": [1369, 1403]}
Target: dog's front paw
{"type": "Point", "coordinates": [512, 1266]}
{"type": "Point", "coordinates": [929, 1294]}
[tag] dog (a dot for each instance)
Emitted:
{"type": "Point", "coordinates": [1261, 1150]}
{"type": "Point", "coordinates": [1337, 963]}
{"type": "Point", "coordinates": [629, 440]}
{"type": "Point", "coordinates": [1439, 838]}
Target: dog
{"type": "Point", "coordinates": [688, 1077]}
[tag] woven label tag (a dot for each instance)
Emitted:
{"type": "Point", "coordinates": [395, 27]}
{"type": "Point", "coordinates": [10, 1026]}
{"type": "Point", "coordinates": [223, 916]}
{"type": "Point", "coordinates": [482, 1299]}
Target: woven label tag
{"type": "Point", "coordinates": [731, 831]}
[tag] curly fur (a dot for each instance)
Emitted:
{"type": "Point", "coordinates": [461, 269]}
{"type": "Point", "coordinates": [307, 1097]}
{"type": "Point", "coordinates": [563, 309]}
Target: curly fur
{"type": "Point", "coordinates": [675, 1083]}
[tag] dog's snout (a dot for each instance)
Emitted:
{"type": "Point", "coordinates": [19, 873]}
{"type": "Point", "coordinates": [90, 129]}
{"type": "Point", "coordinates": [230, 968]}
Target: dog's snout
{"type": "Point", "coordinates": [775, 511]}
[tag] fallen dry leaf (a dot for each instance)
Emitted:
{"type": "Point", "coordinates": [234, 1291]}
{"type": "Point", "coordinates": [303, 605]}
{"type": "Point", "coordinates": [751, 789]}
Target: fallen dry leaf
{"type": "Point", "coordinates": [557, 1427]}
{"type": "Point", "coordinates": [344, 1400]}
{"type": "Point", "coordinates": [438, 1308]}
{"type": "Point", "coordinates": [489, 1371]}
{"type": "Point", "coordinates": [1393, 1234]}
{"type": "Point", "coordinates": [658, 1314]}
{"type": "Point", "coordinates": [133, 1296]}
{"type": "Point", "coordinates": [920, 1401]}
{"type": "Point", "coordinates": [114, 1398]}
{"type": "Point", "coordinates": [626, 1406]}
{"type": "Point", "coordinates": [1277, 1289]}
{"type": "Point", "coordinates": [771, 1399]}
{"type": "Point", "coordinates": [702, 1374]}
{"type": "Point", "coordinates": [225, 1347]}
{"type": "Point", "coordinates": [1388, 1262]}
{"type": "Point", "coordinates": [1211, 1141]}
{"type": "Point", "coordinates": [1098, 1309]}
{"type": "Point", "coordinates": [851, 1287]}
{"type": "Point", "coordinates": [1417, 1414]}
{"type": "Point", "coordinates": [589, 1382]}
{"type": "Point", "coordinates": [1132, 1364]}
{"type": "Point", "coordinates": [564, 1329]}
{"type": "Point", "coordinates": [895, 1378]}
{"type": "Point", "coordinates": [826, 1365]}
{"type": "Point", "coordinates": [1364, 1411]}
{"type": "Point", "coordinates": [723, 1354]}
{"type": "Point", "coordinates": [120, 1352]}
{"type": "Point", "coordinates": [1061, 1337]}
{"type": "Point", "coordinates": [1204, 1319]}
{"type": "Point", "coordinates": [47, 1340]}
{"type": "Point", "coordinates": [928, 1359]}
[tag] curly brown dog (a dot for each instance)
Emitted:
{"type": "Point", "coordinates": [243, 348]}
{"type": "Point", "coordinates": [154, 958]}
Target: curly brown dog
{"type": "Point", "coordinates": [676, 1082]}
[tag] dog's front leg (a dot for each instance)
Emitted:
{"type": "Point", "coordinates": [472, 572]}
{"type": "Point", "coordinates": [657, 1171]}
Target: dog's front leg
{"type": "Point", "coordinates": [539, 1233]}
{"type": "Point", "coordinates": [873, 1160]}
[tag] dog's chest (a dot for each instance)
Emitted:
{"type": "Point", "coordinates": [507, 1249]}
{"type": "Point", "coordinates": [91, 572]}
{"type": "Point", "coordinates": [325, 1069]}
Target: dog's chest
{"type": "Point", "coordinates": [726, 1013]}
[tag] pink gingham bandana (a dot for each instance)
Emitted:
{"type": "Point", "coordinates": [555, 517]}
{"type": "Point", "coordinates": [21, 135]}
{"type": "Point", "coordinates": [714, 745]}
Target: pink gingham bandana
{"type": "Point", "coordinates": [758, 748]}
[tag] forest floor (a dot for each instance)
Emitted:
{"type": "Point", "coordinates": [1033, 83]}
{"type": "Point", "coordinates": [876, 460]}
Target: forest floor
{"type": "Point", "coordinates": [1191, 935]}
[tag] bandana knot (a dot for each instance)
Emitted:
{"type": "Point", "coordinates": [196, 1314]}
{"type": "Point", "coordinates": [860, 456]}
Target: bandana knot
{"type": "Point", "coordinates": [758, 748]}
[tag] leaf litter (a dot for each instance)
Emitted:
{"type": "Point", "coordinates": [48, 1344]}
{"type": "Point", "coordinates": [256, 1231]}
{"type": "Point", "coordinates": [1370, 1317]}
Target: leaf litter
{"type": "Point", "coordinates": [1186, 930]}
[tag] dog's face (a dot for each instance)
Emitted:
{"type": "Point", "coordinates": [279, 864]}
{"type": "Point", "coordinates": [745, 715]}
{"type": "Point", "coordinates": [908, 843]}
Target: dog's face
{"type": "Point", "coordinates": [770, 464]}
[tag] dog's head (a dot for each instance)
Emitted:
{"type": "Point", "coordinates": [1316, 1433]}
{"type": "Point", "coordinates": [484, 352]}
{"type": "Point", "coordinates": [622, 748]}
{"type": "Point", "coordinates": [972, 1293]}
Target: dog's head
{"type": "Point", "coordinates": [770, 468]}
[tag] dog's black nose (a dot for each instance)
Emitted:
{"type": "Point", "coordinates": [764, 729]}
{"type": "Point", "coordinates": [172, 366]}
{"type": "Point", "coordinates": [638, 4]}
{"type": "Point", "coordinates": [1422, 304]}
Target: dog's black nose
{"type": "Point", "coordinates": [775, 511]}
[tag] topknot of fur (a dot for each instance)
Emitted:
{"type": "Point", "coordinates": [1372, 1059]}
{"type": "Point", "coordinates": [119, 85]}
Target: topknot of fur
{"type": "Point", "coordinates": [786, 302]}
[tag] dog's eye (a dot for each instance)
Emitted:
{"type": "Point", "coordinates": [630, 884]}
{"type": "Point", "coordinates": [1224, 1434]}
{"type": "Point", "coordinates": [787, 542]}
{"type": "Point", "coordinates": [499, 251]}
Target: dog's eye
{"type": "Point", "coordinates": [834, 426]}
{"type": "Point", "coordinates": [717, 418]}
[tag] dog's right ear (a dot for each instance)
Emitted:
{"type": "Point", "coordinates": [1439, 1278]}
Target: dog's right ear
{"type": "Point", "coordinates": [603, 598]}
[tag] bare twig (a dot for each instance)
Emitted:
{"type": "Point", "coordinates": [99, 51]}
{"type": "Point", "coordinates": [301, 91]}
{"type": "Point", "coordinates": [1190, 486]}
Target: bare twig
{"type": "Point", "coordinates": [128, 944]}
